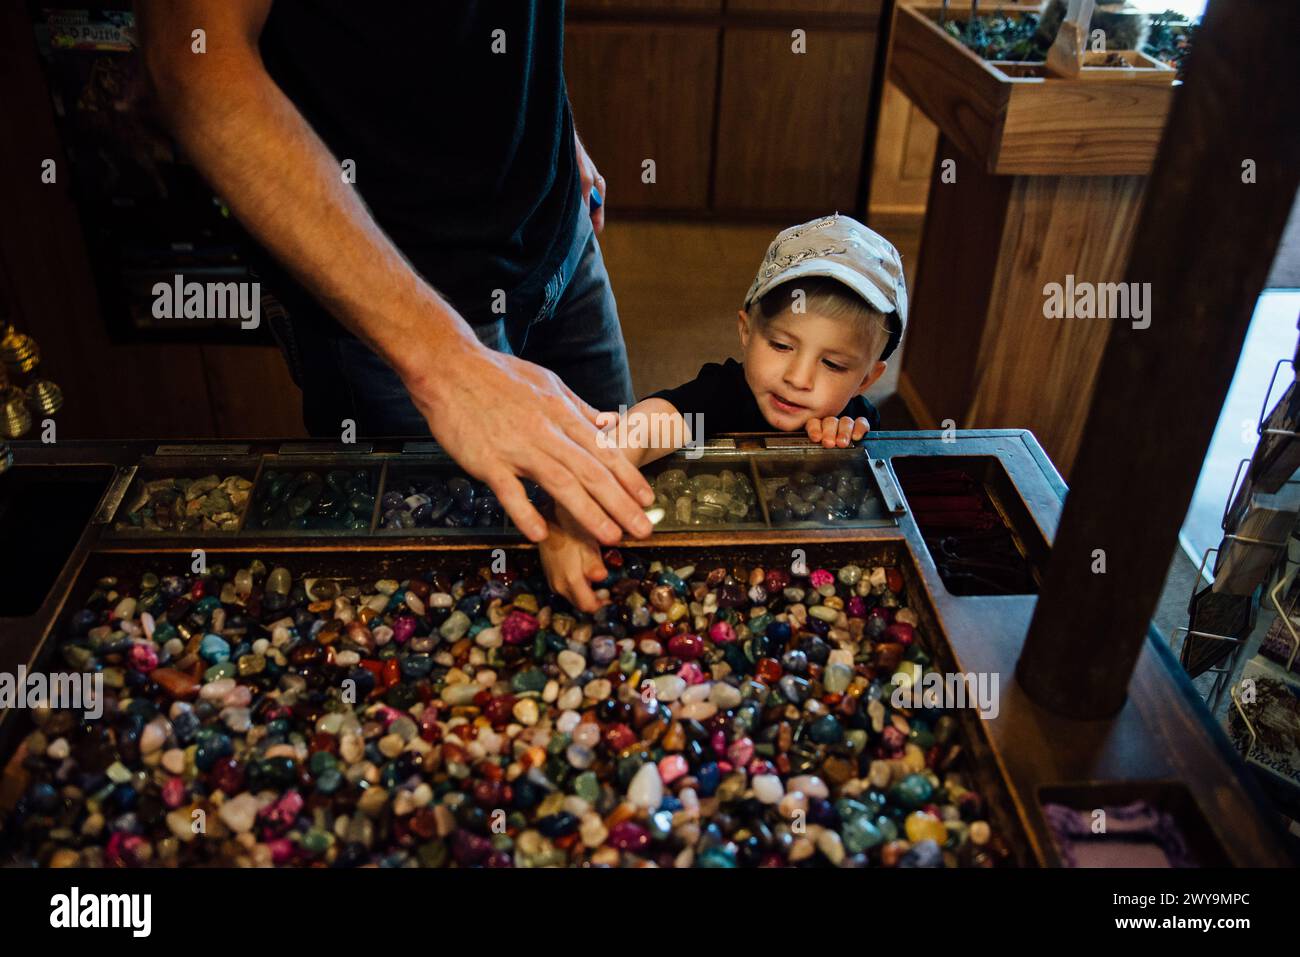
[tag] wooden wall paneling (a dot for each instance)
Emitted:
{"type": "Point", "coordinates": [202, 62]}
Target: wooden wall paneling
{"type": "Point", "coordinates": [110, 390]}
{"type": "Point", "coordinates": [792, 125]}
{"type": "Point", "coordinates": [252, 393]}
{"type": "Point", "coordinates": [642, 93]}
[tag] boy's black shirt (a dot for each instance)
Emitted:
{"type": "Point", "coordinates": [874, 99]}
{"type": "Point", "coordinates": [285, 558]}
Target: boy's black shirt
{"type": "Point", "coordinates": [722, 395]}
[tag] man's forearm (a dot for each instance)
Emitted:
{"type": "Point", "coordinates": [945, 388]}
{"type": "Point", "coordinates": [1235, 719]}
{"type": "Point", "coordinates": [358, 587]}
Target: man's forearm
{"type": "Point", "coordinates": [286, 188]}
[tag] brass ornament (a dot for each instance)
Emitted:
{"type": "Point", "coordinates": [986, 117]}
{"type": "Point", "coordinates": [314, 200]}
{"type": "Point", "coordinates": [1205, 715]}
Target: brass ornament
{"type": "Point", "coordinates": [44, 397]}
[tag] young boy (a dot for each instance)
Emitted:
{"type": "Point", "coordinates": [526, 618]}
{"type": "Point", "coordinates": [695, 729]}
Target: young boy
{"type": "Point", "coordinates": [825, 311]}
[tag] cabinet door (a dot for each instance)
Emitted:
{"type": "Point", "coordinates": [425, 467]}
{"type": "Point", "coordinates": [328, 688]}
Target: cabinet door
{"type": "Point", "coordinates": [645, 93]}
{"type": "Point", "coordinates": [796, 7]}
{"type": "Point", "coordinates": [792, 124]}
{"type": "Point", "coordinates": [644, 6]}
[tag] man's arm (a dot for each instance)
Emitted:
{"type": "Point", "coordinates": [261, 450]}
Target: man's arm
{"type": "Point", "coordinates": [499, 416]}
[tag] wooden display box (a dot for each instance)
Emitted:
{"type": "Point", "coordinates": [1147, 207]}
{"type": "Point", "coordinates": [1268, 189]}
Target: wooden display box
{"type": "Point", "coordinates": [1163, 732]}
{"type": "Point", "coordinates": [1014, 119]}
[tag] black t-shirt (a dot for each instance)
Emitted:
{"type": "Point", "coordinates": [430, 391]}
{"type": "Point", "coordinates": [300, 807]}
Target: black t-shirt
{"type": "Point", "coordinates": [721, 393]}
{"type": "Point", "coordinates": [464, 155]}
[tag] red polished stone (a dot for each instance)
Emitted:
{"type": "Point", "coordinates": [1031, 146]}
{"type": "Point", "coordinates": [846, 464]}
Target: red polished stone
{"type": "Point", "coordinates": [776, 580]}
{"type": "Point", "coordinates": [686, 646]}
{"type": "Point", "coordinates": [430, 730]}
{"type": "Point", "coordinates": [894, 579]}
{"type": "Point", "coordinates": [899, 632]}
{"type": "Point", "coordinates": [498, 710]}
{"type": "Point", "coordinates": [619, 736]}
{"type": "Point", "coordinates": [487, 794]}
{"type": "Point", "coordinates": [628, 836]}
{"type": "Point", "coordinates": [176, 683]}
{"type": "Point", "coordinates": [768, 670]}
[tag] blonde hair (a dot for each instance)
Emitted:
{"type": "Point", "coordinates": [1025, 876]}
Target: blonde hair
{"type": "Point", "coordinates": [826, 297]}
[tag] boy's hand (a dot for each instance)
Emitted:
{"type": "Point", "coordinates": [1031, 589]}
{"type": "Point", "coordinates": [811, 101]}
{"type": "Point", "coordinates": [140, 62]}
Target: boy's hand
{"type": "Point", "coordinates": [572, 562]}
{"type": "Point", "coordinates": [831, 432]}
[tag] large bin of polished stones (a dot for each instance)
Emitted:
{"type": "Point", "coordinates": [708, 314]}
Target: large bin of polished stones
{"type": "Point", "coordinates": [417, 707]}
{"type": "Point", "coordinates": [361, 664]}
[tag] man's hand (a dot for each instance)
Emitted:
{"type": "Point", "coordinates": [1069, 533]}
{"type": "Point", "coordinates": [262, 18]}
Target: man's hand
{"type": "Point", "coordinates": [831, 432]}
{"type": "Point", "coordinates": [572, 562]}
{"type": "Point", "coordinates": [501, 417]}
{"type": "Point", "coordinates": [590, 176]}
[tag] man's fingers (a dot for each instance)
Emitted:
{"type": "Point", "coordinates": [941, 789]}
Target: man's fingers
{"type": "Point", "coordinates": [860, 428]}
{"type": "Point", "coordinates": [814, 427]}
{"type": "Point", "coordinates": [829, 426]}
{"type": "Point", "coordinates": [569, 494]}
{"type": "Point", "coordinates": [595, 479]}
{"type": "Point", "coordinates": [614, 481]}
{"type": "Point", "coordinates": [845, 431]}
{"type": "Point", "coordinates": [510, 493]}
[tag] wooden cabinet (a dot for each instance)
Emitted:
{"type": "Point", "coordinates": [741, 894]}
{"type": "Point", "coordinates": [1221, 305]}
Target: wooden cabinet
{"type": "Point", "coordinates": [641, 6]}
{"type": "Point", "coordinates": [792, 124]}
{"type": "Point", "coordinates": [643, 95]}
{"type": "Point", "coordinates": [737, 120]}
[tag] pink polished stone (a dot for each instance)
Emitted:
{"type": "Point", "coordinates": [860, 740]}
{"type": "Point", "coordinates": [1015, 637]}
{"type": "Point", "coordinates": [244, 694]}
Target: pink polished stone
{"type": "Point", "coordinates": [726, 767]}
{"type": "Point", "coordinates": [124, 850]}
{"type": "Point", "coordinates": [281, 850]}
{"type": "Point", "coordinates": [900, 632]}
{"type": "Point", "coordinates": [279, 817]}
{"type": "Point", "coordinates": [144, 657]}
{"type": "Point", "coordinates": [719, 742]}
{"type": "Point", "coordinates": [691, 673]}
{"type": "Point", "coordinates": [518, 627]}
{"type": "Point", "coordinates": [672, 767]}
{"type": "Point", "coordinates": [173, 792]}
{"type": "Point", "coordinates": [741, 750]}
{"type": "Point", "coordinates": [892, 738]}
{"type": "Point", "coordinates": [759, 766]}
{"type": "Point", "coordinates": [685, 646]}
{"type": "Point", "coordinates": [403, 628]}
{"type": "Point", "coordinates": [857, 607]}
{"type": "Point", "coordinates": [821, 577]}
{"type": "Point", "coordinates": [721, 633]}
{"type": "Point", "coordinates": [628, 836]}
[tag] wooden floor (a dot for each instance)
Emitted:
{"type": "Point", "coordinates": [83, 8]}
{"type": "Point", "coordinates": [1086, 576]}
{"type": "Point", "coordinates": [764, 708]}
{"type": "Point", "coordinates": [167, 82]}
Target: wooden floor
{"type": "Point", "coordinates": [678, 286]}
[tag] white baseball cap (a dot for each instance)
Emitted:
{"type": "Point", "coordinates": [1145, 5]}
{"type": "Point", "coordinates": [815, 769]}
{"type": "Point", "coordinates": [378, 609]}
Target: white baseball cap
{"type": "Point", "coordinates": [841, 248]}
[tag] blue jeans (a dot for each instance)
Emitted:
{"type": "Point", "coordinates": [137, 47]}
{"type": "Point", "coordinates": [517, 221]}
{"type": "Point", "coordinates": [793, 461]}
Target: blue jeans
{"type": "Point", "coordinates": [575, 333]}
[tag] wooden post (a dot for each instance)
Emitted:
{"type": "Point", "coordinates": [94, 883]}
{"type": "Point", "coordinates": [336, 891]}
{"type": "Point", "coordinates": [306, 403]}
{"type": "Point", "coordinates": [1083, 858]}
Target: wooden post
{"type": "Point", "coordinates": [1217, 200]}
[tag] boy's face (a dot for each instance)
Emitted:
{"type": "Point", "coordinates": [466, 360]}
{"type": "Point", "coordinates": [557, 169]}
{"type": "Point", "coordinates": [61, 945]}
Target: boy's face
{"type": "Point", "coordinates": [805, 366]}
